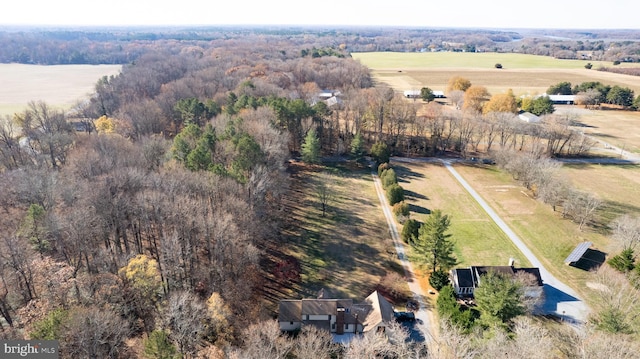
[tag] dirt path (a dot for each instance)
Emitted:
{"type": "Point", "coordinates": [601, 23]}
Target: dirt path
{"type": "Point", "coordinates": [425, 318]}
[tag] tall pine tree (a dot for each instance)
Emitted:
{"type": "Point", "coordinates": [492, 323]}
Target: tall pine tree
{"type": "Point", "coordinates": [433, 247]}
{"type": "Point", "coordinates": [311, 147]}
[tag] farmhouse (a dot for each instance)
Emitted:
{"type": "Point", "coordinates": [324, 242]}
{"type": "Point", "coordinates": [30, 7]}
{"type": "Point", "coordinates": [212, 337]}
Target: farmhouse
{"type": "Point", "coordinates": [466, 280]}
{"type": "Point", "coordinates": [338, 316]}
{"type": "Point", "coordinates": [330, 97]}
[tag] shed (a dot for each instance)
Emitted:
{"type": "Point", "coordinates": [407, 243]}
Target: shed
{"type": "Point", "coordinates": [528, 117]}
{"type": "Point", "coordinates": [577, 253]}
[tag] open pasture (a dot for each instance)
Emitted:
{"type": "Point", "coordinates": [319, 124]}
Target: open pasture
{"type": "Point", "coordinates": [616, 186]}
{"type": "Point", "coordinates": [348, 251]}
{"type": "Point", "coordinates": [524, 74]}
{"type": "Point", "coordinates": [485, 60]}
{"type": "Point", "coordinates": [59, 85]}
{"type": "Point", "coordinates": [619, 128]}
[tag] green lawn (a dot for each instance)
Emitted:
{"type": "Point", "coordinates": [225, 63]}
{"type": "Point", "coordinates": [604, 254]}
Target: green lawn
{"type": "Point", "coordinates": [477, 238]}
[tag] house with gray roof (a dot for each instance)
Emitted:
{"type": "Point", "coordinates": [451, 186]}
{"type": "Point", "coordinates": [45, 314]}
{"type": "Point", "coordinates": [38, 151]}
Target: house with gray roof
{"type": "Point", "coordinates": [466, 280]}
{"type": "Point", "coordinates": [338, 316]}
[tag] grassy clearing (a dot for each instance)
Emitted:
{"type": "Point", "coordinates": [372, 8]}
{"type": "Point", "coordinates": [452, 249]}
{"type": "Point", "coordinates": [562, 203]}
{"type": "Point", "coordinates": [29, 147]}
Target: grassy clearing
{"type": "Point", "coordinates": [59, 85]}
{"type": "Point", "coordinates": [478, 240]}
{"type": "Point", "coordinates": [349, 251]}
{"type": "Point", "coordinates": [413, 60]}
{"type": "Point", "coordinates": [618, 128]}
{"type": "Point", "coordinates": [616, 186]}
{"type": "Point", "coordinates": [549, 237]}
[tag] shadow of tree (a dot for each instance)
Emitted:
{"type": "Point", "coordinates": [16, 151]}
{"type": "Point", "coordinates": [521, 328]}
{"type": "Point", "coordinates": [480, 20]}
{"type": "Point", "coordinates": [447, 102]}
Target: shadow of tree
{"type": "Point", "coordinates": [419, 209]}
{"type": "Point", "coordinates": [413, 195]}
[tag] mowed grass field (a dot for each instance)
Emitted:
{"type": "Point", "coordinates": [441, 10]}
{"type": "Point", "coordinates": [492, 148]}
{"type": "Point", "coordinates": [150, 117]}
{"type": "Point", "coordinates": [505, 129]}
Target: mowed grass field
{"type": "Point", "coordinates": [478, 240]}
{"type": "Point", "coordinates": [58, 85]}
{"type": "Point", "coordinates": [617, 186]}
{"type": "Point", "coordinates": [524, 74]}
{"type": "Point", "coordinates": [550, 237]}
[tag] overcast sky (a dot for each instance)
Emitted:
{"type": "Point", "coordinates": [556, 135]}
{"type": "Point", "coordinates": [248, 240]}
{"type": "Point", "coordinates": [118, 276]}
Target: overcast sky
{"type": "Point", "coordinates": [572, 14]}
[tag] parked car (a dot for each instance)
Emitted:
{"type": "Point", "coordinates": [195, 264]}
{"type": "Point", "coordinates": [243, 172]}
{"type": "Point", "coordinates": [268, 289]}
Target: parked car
{"type": "Point", "coordinates": [404, 316]}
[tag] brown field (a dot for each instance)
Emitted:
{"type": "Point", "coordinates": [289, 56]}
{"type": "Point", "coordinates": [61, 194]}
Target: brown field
{"type": "Point", "coordinates": [521, 81]}
{"type": "Point", "coordinates": [619, 128]}
{"type": "Point", "coordinates": [348, 252]}
{"type": "Point", "coordinates": [616, 186]}
{"type": "Point", "coordinates": [59, 85]}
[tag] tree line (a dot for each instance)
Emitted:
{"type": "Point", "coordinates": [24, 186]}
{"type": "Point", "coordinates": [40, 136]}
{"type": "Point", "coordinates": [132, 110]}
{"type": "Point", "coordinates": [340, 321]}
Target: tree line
{"type": "Point", "coordinates": [594, 93]}
{"type": "Point", "coordinates": [53, 46]}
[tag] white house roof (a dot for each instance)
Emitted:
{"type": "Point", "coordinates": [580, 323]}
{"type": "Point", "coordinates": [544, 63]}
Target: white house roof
{"type": "Point", "coordinates": [412, 93]}
{"type": "Point", "coordinates": [529, 117]}
{"type": "Point", "coordinates": [562, 98]}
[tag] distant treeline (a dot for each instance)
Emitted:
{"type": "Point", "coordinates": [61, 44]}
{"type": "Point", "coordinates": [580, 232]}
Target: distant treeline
{"type": "Point", "coordinates": [51, 46]}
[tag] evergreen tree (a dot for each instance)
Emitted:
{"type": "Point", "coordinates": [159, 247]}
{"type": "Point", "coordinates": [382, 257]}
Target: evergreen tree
{"type": "Point", "coordinates": [311, 147]}
{"type": "Point", "coordinates": [357, 148]}
{"type": "Point", "coordinates": [623, 262]}
{"type": "Point", "coordinates": [395, 194]}
{"type": "Point", "coordinates": [426, 94]}
{"type": "Point", "coordinates": [498, 299]}
{"type": "Point", "coordinates": [380, 152]}
{"type": "Point", "coordinates": [433, 247]}
{"type": "Point", "coordinates": [410, 231]}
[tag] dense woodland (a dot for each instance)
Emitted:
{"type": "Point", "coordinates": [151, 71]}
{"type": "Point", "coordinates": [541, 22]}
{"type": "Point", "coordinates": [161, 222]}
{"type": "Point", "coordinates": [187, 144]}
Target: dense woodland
{"type": "Point", "coordinates": [153, 224]}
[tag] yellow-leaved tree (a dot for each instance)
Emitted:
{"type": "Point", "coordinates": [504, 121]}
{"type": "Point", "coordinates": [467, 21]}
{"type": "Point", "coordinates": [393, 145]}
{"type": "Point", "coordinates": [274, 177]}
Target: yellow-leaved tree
{"type": "Point", "coordinates": [105, 124]}
{"type": "Point", "coordinates": [458, 83]}
{"type": "Point", "coordinates": [504, 102]}
{"type": "Point", "coordinates": [475, 97]}
{"type": "Point", "coordinates": [219, 314]}
{"type": "Point", "coordinates": [142, 273]}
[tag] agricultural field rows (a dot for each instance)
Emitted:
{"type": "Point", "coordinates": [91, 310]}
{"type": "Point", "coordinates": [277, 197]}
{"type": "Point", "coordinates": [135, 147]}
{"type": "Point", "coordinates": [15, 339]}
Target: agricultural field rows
{"type": "Point", "coordinates": [524, 74]}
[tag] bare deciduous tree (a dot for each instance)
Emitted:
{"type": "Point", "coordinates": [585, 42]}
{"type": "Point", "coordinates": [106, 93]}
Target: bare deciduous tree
{"type": "Point", "coordinates": [93, 332]}
{"type": "Point", "coordinates": [185, 315]}
{"type": "Point", "coordinates": [263, 341]}
{"type": "Point", "coordinates": [626, 230]}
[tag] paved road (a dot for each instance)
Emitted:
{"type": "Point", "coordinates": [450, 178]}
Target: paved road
{"type": "Point", "coordinates": [425, 326]}
{"type": "Point", "coordinates": [560, 299]}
